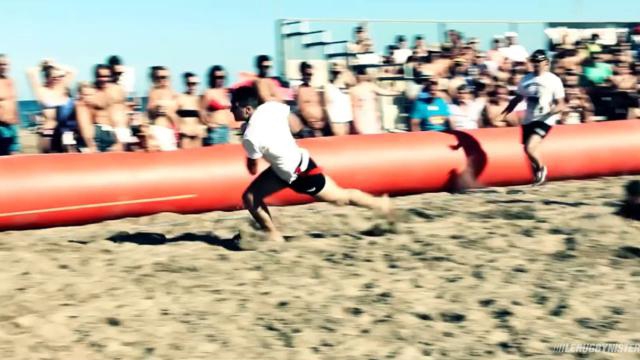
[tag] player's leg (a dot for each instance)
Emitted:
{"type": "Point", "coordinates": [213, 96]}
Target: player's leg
{"type": "Point", "coordinates": [335, 194]}
{"type": "Point", "coordinates": [266, 184]}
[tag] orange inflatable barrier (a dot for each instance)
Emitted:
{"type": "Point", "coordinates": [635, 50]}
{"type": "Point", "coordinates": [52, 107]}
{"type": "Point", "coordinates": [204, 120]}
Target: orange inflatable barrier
{"type": "Point", "coordinates": [39, 191]}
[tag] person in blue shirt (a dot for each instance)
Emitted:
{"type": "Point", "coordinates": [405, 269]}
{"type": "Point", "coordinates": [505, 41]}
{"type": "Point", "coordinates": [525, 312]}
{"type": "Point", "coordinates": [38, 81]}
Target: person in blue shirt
{"type": "Point", "coordinates": [429, 113]}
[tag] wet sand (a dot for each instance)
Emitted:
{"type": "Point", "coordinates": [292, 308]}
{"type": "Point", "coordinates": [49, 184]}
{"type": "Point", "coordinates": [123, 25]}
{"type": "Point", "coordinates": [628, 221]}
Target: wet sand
{"type": "Point", "coordinates": [497, 273]}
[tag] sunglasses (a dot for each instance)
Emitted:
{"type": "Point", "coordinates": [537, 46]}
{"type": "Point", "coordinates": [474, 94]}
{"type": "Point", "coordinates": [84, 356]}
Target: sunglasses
{"type": "Point", "coordinates": [193, 83]}
{"type": "Point", "coordinates": [163, 77]}
{"type": "Point", "coordinates": [220, 77]}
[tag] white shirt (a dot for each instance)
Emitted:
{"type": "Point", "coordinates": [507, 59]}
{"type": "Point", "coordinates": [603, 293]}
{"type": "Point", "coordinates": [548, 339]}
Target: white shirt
{"type": "Point", "coordinates": [268, 135]}
{"type": "Point", "coordinates": [128, 80]}
{"type": "Point", "coordinates": [540, 92]}
{"type": "Point", "coordinates": [338, 106]}
{"type": "Point", "coordinates": [400, 56]}
{"type": "Point", "coordinates": [466, 117]}
{"type": "Point", "coordinates": [515, 53]}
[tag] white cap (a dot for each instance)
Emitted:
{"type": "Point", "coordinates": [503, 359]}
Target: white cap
{"type": "Point", "coordinates": [511, 34]}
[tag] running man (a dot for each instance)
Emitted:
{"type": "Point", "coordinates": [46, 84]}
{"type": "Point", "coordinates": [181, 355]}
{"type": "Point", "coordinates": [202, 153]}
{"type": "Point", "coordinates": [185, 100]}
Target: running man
{"type": "Point", "coordinates": [268, 134]}
{"type": "Point", "coordinates": [544, 94]}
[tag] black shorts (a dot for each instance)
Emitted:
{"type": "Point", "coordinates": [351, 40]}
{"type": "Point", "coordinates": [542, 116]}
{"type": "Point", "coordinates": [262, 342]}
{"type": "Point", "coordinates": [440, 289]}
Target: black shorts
{"type": "Point", "coordinates": [310, 181]}
{"type": "Point", "coordinates": [539, 128]}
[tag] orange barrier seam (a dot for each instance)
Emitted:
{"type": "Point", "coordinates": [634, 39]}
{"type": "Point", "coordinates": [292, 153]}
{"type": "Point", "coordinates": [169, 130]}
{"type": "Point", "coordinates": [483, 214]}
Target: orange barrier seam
{"type": "Point", "coordinates": [89, 206]}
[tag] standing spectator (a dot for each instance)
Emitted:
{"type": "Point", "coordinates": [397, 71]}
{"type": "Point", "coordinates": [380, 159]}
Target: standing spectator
{"type": "Point", "coordinates": [596, 70]}
{"type": "Point", "coordinates": [514, 51]}
{"type": "Point", "coordinates": [593, 46]}
{"type": "Point", "coordinates": [9, 118]}
{"type": "Point", "coordinates": [454, 38]}
{"type": "Point", "coordinates": [402, 53]}
{"type": "Point", "coordinates": [191, 126]}
{"type": "Point", "coordinates": [368, 56]}
{"type": "Point", "coordinates": [309, 103]}
{"type": "Point", "coordinates": [337, 100]}
{"type": "Point", "coordinates": [122, 75]}
{"type": "Point", "coordinates": [361, 36]}
{"type": "Point", "coordinates": [429, 113]}
{"type": "Point", "coordinates": [465, 110]}
{"type": "Point", "coordinates": [264, 84]}
{"type": "Point", "coordinates": [86, 109]}
{"type": "Point", "coordinates": [162, 108]}
{"type": "Point", "coordinates": [579, 106]}
{"type": "Point", "coordinates": [498, 100]}
{"type": "Point", "coordinates": [420, 47]}
{"type": "Point", "coordinates": [216, 107]}
{"type": "Point", "coordinates": [364, 99]}
{"type": "Point", "coordinates": [54, 98]}
{"type": "Point", "coordinates": [623, 79]}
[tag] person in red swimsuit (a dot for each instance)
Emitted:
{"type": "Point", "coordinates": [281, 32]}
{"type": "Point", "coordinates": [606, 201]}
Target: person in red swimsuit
{"type": "Point", "coordinates": [215, 108]}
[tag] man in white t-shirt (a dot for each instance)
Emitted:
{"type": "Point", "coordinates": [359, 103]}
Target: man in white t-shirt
{"type": "Point", "coordinates": [268, 135]}
{"type": "Point", "coordinates": [544, 94]}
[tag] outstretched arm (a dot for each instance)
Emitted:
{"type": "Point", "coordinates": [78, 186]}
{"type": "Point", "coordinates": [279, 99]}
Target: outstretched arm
{"type": "Point", "coordinates": [512, 105]}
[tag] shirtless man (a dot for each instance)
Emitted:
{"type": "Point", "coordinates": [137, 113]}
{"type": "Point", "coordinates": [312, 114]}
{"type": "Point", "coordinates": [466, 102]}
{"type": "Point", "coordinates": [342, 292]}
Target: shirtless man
{"type": "Point", "coordinates": [97, 128]}
{"type": "Point", "coordinates": [162, 108]}
{"type": "Point", "coordinates": [268, 135]}
{"type": "Point", "coordinates": [266, 86]}
{"type": "Point", "coordinates": [9, 140]}
{"type": "Point", "coordinates": [309, 102]}
{"type": "Point", "coordinates": [118, 109]}
{"type": "Point", "coordinates": [364, 99]}
{"type": "Point", "coordinates": [498, 101]}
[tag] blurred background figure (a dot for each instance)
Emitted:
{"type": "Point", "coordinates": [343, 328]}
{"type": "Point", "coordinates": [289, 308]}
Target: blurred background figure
{"type": "Point", "coordinates": [310, 109]}
{"type": "Point", "coordinates": [188, 103]}
{"type": "Point", "coordinates": [54, 97]}
{"type": "Point", "coordinates": [364, 99]}
{"type": "Point", "coordinates": [337, 99]}
{"type": "Point", "coordinates": [429, 112]}
{"type": "Point", "coordinates": [162, 106]}
{"type": "Point", "coordinates": [123, 75]}
{"type": "Point", "coordinates": [9, 116]}
{"type": "Point", "coordinates": [513, 50]}
{"type": "Point", "coordinates": [215, 107]}
{"type": "Point", "coordinates": [266, 86]}
{"type": "Point", "coordinates": [402, 52]}
{"type": "Point", "coordinates": [465, 110]}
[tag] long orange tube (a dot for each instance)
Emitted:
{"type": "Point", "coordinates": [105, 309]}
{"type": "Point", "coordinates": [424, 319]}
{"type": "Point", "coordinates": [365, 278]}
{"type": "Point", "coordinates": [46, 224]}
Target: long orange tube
{"type": "Point", "coordinates": [38, 191]}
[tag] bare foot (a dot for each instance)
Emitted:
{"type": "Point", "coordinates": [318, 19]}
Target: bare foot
{"type": "Point", "coordinates": [274, 236]}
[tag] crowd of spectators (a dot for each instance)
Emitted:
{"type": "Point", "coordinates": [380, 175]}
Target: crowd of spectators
{"type": "Point", "coordinates": [432, 87]}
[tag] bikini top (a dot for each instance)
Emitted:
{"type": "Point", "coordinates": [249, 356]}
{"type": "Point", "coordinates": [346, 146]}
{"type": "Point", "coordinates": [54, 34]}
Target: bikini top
{"type": "Point", "coordinates": [215, 105]}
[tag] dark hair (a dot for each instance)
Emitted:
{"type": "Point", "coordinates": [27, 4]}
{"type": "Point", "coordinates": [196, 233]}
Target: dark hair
{"type": "Point", "coordinates": [401, 38]}
{"type": "Point", "coordinates": [154, 70]}
{"type": "Point", "coordinates": [114, 60]}
{"type": "Point", "coordinates": [419, 37]}
{"type": "Point", "coordinates": [99, 67]}
{"type": "Point", "coordinates": [46, 70]}
{"type": "Point", "coordinates": [187, 75]}
{"type": "Point", "coordinates": [212, 74]}
{"type": "Point", "coordinates": [245, 96]}
{"type": "Point", "coordinates": [304, 66]}
{"type": "Point", "coordinates": [360, 70]}
{"type": "Point", "coordinates": [261, 58]}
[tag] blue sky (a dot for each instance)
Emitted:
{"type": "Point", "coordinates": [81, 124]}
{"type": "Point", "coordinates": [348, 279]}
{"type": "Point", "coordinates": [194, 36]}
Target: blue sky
{"type": "Point", "coordinates": [191, 35]}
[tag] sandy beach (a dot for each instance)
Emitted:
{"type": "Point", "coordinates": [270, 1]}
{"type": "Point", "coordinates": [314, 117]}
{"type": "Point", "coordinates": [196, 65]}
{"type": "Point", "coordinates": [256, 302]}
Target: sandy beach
{"type": "Point", "coordinates": [499, 273]}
